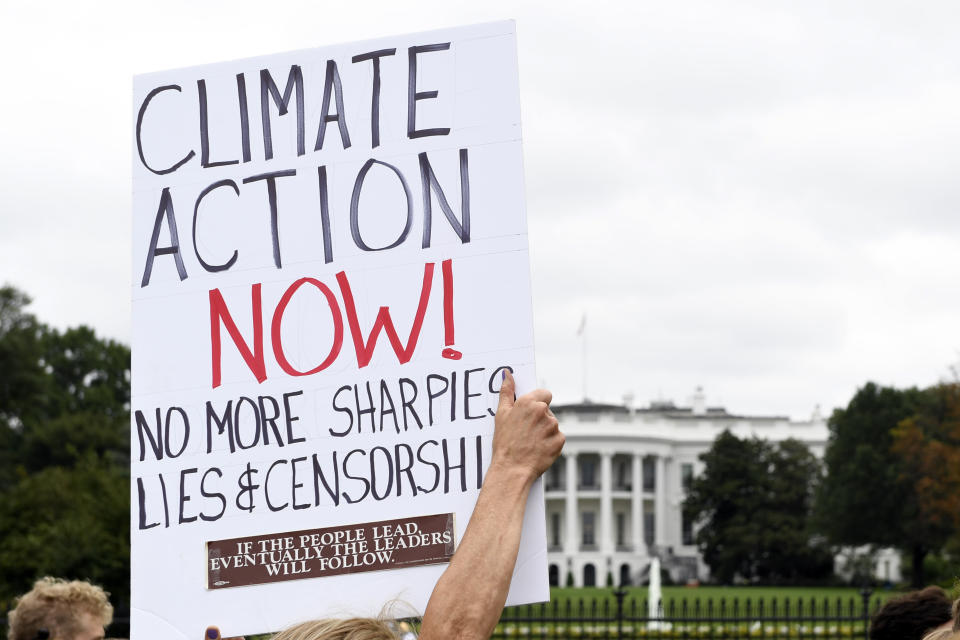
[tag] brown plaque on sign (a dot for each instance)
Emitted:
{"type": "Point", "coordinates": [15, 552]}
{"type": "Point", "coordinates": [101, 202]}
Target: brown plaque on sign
{"type": "Point", "coordinates": [315, 553]}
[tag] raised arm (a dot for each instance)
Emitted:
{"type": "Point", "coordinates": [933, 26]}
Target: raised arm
{"type": "Point", "coordinates": [469, 597]}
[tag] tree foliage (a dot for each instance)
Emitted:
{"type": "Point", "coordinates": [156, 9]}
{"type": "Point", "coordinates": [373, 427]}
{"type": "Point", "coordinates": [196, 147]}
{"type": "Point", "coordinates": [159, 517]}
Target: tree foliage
{"type": "Point", "coordinates": [893, 471]}
{"type": "Point", "coordinates": [64, 453]}
{"type": "Point", "coordinates": [753, 502]}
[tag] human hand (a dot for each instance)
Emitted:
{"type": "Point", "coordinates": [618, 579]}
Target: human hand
{"type": "Point", "coordinates": [213, 633]}
{"type": "Point", "coordinates": [526, 435]}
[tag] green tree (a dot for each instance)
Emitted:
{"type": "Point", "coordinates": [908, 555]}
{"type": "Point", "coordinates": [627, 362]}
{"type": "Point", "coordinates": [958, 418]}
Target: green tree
{"type": "Point", "coordinates": [64, 453]}
{"type": "Point", "coordinates": [69, 522]}
{"type": "Point", "coordinates": [753, 502]}
{"type": "Point", "coordinates": [927, 447]}
{"type": "Point", "coordinates": [868, 496]}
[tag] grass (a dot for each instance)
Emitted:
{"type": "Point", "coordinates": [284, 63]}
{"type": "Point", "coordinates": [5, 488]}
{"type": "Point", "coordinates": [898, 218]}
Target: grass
{"type": "Point", "coordinates": [838, 613]}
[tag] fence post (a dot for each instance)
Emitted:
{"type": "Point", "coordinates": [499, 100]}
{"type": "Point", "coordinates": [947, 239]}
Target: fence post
{"type": "Point", "coordinates": [865, 594]}
{"type": "Point", "coordinates": [619, 594]}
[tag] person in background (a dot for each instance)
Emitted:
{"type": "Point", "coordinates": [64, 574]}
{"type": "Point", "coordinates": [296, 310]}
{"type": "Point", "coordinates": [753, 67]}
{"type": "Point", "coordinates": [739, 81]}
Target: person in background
{"type": "Point", "coordinates": [468, 599]}
{"type": "Point", "coordinates": [913, 616]}
{"type": "Point", "coordinates": [56, 609]}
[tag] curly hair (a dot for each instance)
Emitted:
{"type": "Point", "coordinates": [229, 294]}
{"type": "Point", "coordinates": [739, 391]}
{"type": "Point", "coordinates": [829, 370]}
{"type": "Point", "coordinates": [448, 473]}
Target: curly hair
{"type": "Point", "coordinates": [55, 605]}
{"type": "Point", "coordinates": [912, 616]}
{"type": "Point", "coordinates": [345, 629]}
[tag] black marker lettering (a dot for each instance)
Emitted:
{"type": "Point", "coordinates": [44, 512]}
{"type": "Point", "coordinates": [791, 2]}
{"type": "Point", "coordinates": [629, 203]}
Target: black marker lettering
{"type": "Point", "coordinates": [342, 409]}
{"type": "Point", "coordinates": [205, 131]}
{"type": "Point", "coordinates": [334, 493]}
{"type": "Point", "coordinates": [404, 468]}
{"type": "Point", "coordinates": [290, 418]}
{"type": "Point", "coordinates": [184, 498]}
{"type": "Point", "coordinates": [268, 90]}
{"type": "Point", "coordinates": [436, 467]}
{"type": "Point", "coordinates": [373, 473]}
{"type": "Point", "coordinates": [447, 467]}
{"type": "Point", "coordinates": [430, 184]}
{"type": "Point", "coordinates": [408, 404]}
{"type": "Point", "coordinates": [413, 95]}
{"type": "Point", "coordinates": [271, 179]}
{"type": "Point", "coordinates": [242, 400]}
{"type": "Point", "coordinates": [366, 483]}
{"type": "Point", "coordinates": [332, 82]}
{"type": "Point", "coordinates": [164, 212]}
{"type": "Point", "coordinates": [467, 395]}
{"type": "Point", "coordinates": [294, 485]}
{"type": "Point", "coordinates": [325, 215]}
{"type": "Point", "coordinates": [142, 112]}
{"type": "Point", "coordinates": [355, 207]}
{"type": "Point", "coordinates": [142, 497]}
{"type": "Point", "coordinates": [375, 99]}
{"type": "Point", "coordinates": [212, 268]}
{"type": "Point", "coordinates": [244, 116]}
{"type": "Point", "coordinates": [206, 494]}
{"type": "Point", "coordinates": [266, 488]}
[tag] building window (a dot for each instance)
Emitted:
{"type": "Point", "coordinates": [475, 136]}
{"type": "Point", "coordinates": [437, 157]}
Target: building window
{"type": "Point", "coordinates": [686, 527]}
{"type": "Point", "coordinates": [621, 529]}
{"type": "Point", "coordinates": [649, 474]}
{"type": "Point", "coordinates": [649, 522]}
{"type": "Point", "coordinates": [589, 575]}
{"type": "Point", "coordinates": [623, 475]}
{"type": "Point", "coordinates": [555, 476]}
{"type": "Point", "coordinates": [587, 530]}
{"type": "Point", "coordinates": [555, 524]}
{"type": "Point", "coordinates": [588, 474]}
{"type": "Point", "coordinates": [554, 575]}
{"type": "Point", "coordinates": [686, 475]}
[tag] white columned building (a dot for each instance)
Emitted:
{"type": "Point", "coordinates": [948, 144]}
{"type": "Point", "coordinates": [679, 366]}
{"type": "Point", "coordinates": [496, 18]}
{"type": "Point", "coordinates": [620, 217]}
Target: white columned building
{"type": "Point", "coordinates": [614, 498]}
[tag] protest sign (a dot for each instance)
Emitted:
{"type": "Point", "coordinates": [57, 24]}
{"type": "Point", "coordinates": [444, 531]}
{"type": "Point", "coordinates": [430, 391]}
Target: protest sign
{"type": "Point", "coordinates": [330, 274]}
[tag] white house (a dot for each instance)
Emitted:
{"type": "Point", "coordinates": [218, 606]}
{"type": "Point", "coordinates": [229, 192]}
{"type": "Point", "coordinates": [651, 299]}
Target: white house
{"type": "Point", "coordinates": [613, 500]}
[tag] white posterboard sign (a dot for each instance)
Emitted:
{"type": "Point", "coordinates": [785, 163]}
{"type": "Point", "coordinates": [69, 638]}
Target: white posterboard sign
{"type": "Point", "coordinates": [330, 274]}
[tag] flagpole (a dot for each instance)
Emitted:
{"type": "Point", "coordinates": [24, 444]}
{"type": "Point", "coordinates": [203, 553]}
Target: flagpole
{"type": "Point", "coordinates": [583, 354]}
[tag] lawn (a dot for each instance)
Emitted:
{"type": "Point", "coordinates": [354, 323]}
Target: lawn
{"type": "Point", "coordinates": [696, 612]}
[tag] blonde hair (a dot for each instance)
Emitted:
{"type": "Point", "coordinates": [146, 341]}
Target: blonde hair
{"type": "Point", "coordinates": [55, 605]}
{"type": "Point", "coordinates": [346, 629]}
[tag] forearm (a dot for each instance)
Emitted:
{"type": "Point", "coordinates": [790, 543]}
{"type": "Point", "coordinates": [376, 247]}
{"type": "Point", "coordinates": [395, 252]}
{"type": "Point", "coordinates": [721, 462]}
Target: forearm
{"type": "Point", "coordinates": [469, 597]}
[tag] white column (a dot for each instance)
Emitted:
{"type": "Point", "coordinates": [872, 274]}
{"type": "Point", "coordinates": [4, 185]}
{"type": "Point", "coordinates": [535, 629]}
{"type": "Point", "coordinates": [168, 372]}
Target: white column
{"type": "Point", "coordinates": [636, 504]}
{"type": "Point", "coordinates": [606, 505]}
{"type": "Point", "coordinates": [660, 503]}
{"type": "Point", "coordinates": [572, 539]}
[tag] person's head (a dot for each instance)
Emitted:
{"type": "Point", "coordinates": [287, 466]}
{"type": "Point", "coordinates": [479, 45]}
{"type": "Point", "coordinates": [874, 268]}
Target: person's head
{"type": "Point", "coordinates": [346, 629]}
{"type": "Point", "coordinates": [60, 610]}
{"type": "Point", "coordinates": [912, 616]}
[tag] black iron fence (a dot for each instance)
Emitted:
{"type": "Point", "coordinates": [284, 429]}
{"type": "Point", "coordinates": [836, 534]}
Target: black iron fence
{"type": "Point", "coordinates": [623, 618]}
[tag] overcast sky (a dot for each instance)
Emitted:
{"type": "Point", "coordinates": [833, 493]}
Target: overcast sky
{"type": "Point", "coordinates": [755, 197]}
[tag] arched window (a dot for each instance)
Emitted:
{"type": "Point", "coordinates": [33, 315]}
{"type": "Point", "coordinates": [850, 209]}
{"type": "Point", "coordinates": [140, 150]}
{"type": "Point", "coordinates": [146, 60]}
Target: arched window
{"type": "Point", "coordinates": [625, 579]}
{"type": "Point", "coordinates": [589, 575]}
{"type": "Point", "coordinates": [554, 575]}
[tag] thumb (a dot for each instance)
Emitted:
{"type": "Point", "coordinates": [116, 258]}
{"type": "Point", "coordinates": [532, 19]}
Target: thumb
{"type": "Point", "coordinates": [212, 633]}
{"type": "Point", "coordinates": [508, 390]}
